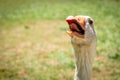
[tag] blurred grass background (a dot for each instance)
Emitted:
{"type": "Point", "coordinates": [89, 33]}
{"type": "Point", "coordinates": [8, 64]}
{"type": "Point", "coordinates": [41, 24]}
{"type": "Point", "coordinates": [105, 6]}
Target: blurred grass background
{"type": "Point", "coordinates": [35, 46]}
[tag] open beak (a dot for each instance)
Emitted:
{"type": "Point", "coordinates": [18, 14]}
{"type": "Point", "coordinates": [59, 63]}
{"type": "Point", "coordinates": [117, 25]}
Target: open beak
{"type": "Point", "coordinates": [76, 25]}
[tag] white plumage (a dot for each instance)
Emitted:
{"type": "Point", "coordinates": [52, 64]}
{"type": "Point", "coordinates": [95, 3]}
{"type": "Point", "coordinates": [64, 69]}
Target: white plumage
{"type": "Point", "coordinates": [84, 51]}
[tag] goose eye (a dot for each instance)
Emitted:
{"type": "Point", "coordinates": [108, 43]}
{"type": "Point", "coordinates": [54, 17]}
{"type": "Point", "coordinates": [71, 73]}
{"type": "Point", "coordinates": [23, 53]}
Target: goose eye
{"type": "Point", "coordinates": [90, 21]}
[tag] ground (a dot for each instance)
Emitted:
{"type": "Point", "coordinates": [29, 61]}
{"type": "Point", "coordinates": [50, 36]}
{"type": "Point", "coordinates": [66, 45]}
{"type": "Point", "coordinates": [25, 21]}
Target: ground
{"type": "Point", "coordinates": [34, 50]}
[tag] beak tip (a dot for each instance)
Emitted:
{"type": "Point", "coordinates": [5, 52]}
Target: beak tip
{"type": "Point", "coordinates": [70, 19]}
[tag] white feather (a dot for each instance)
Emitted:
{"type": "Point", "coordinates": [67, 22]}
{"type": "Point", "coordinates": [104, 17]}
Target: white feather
{"type": "Point", "coordinates": [84, 50]}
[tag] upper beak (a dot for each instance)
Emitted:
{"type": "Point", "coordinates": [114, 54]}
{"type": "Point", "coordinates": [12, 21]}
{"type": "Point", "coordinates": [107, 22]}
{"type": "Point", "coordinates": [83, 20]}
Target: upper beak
{"type": "Point", "coordinates": [70, 19]}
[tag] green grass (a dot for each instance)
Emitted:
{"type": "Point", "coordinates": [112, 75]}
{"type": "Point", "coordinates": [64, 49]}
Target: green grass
{"type": "Point", "coordinates": [35, 46]}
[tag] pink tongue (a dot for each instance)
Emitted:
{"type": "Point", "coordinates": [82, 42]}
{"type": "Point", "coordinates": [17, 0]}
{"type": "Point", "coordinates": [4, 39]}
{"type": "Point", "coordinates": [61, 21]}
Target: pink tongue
{"type": "Point", "coordinates": [73, 27]}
